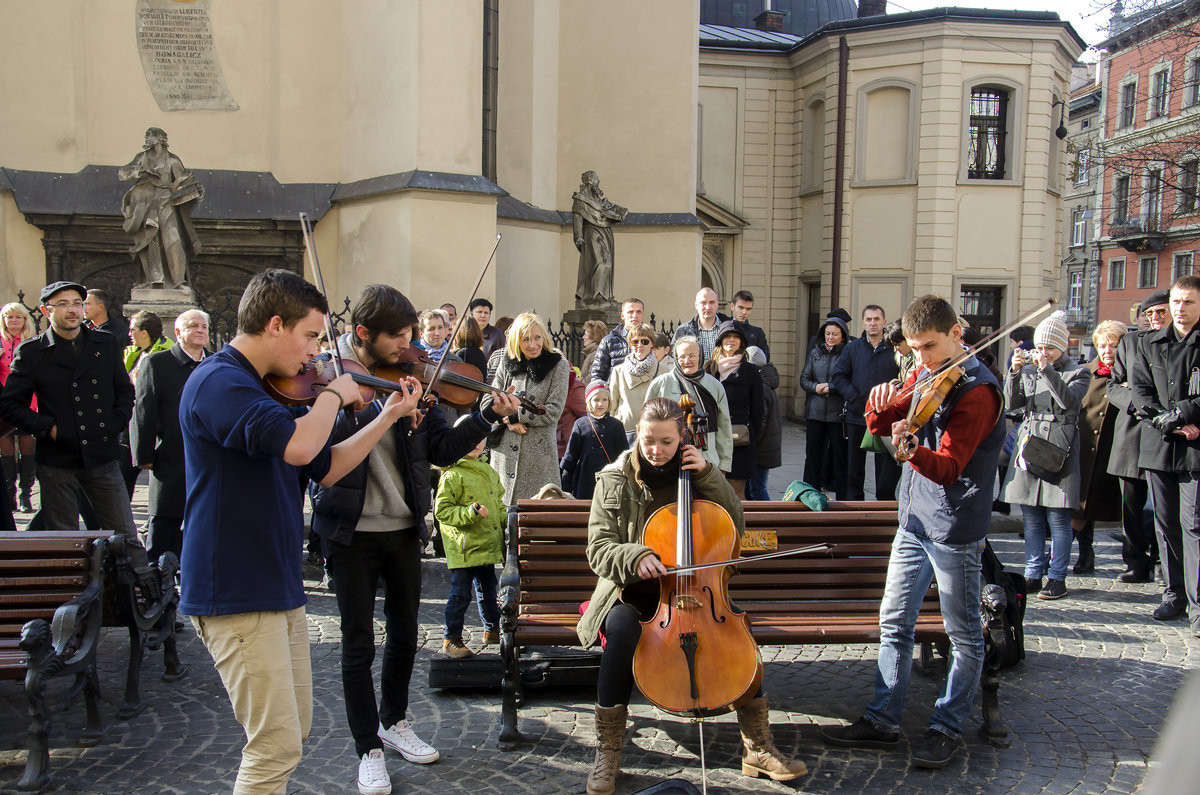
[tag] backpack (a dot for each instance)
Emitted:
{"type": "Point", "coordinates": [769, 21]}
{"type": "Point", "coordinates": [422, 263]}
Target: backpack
{"type": "Point", "coordinates": [1003, 625]}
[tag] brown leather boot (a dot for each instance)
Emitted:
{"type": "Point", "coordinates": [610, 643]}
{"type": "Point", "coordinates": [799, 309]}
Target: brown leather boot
{"type": "Point", "coordinates": [610, 739]}
{"type": "Point", "coordinates": [759, 754]}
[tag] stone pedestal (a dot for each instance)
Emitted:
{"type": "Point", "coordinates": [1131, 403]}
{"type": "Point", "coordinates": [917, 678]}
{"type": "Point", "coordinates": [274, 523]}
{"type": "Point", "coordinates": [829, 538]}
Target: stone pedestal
{"type": "Point", "coordinates": [165, 302]}
{"type": "Point", "coordinates": [609, 314]}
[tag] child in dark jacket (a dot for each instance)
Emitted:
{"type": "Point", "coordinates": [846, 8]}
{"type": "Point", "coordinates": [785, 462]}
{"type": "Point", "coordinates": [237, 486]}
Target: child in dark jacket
{"type": "Point", "coordinates": [596, 441]}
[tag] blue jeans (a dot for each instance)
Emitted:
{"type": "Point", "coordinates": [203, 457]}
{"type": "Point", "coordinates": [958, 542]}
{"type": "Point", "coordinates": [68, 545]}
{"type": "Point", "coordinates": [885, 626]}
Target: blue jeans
{"type": "Point", "coordinates": [914, 564]}
{"type": "Point", "coordinates": [756, 486]}
{"type": "Point", "coordinates": [1036, 519]}
{"type": "Point", "coordinates": [483, 578]}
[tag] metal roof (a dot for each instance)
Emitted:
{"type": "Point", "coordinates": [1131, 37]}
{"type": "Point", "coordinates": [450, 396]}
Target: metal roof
{"type": "Point", "coordinates": [745, 38]}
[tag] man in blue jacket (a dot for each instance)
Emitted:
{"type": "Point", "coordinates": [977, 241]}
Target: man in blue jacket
{"type": "Point", "coordinates": [613, 349]}
{"type": "Point", "coordinates": [866, 362]}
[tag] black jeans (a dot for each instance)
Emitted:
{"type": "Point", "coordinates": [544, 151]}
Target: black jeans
{"type": "Point", "coordinates": [1176, 497]}
{"type": "Point", "coordinates": [164, 534]}
{"type": "Point", "coordinates": [357, 567]}
{"type": "Point", "coordinates": [887, 471]}
{"type": "Point", "coordinates": [1139, 547]}
{"type": "Point", "coordinates": [820, 438]}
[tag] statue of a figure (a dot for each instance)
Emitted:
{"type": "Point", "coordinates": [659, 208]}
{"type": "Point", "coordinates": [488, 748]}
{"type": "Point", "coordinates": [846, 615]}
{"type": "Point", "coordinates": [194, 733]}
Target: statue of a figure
{"type": "Point", "coordinates": [592, 219]}
{"type": "Point", "coordinates": [158, 211]}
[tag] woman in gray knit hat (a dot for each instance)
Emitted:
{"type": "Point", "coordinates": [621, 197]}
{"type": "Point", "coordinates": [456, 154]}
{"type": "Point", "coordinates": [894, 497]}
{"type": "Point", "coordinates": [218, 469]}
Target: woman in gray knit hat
{"type": "Point", "coordinates": [1050, 388]}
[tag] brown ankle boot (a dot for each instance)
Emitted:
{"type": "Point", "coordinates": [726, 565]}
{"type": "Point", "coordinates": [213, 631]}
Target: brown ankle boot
{"type": "Point", "coordinates": [759, 754]}
{"type": "Point", "coordinates": [610, 739]}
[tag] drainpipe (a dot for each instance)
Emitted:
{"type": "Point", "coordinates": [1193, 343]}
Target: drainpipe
{"type": "Point", "coordinates": [839, 172]}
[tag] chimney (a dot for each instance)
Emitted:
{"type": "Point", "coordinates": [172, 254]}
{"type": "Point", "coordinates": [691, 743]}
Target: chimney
{"type": "Point", "coordinates": [871, 8]}
{"type": "Point", "coordinates": [770, 21]}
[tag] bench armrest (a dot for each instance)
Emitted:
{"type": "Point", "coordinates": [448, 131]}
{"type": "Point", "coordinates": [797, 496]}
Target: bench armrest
{"type": "Point", "coordinates": [510, 577]}
{"type": "Point", "coordinates": [75, 630]}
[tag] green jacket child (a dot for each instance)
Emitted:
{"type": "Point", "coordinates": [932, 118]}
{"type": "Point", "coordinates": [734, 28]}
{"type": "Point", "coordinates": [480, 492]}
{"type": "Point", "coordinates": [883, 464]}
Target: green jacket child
{"type": "Point", "coordinates": [469, 538]}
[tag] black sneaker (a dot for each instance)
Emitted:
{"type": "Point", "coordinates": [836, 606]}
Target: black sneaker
{"type": "Point", "coordinates": [935, 749]}
{"type": "Point", "coordinates": [860, 734]}
{"type": "Point", "coordinates": [1168, 611]}
{"type": "Point", "coordinates": [1033, 585]}
{"type": "Point", "coordinates": [1055, 589]}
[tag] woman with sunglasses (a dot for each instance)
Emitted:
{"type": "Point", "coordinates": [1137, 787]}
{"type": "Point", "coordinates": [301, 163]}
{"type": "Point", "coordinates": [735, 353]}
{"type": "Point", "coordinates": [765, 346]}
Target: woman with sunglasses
{"type": "Point", "coordinates": [630, 380]}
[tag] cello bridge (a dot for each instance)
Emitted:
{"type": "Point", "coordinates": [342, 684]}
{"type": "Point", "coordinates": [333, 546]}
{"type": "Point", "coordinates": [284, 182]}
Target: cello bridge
{"type": "Point", "coordinates": [686, 602]}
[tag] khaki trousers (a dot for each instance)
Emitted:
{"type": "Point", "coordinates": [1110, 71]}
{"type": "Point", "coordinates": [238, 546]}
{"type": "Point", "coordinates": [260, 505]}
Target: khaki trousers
{"type": "Point", "coordinates": [264, 664]}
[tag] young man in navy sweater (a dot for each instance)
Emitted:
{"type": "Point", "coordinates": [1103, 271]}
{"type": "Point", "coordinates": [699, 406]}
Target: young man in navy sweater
{"type": "Point", "coordinates": [945, 499]}
{"type": "Point", "coordinates": [246, 458]}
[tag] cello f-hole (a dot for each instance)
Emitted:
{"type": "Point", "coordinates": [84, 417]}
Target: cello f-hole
{"type": "Point", "coordinates": [712, 606]}
{"type": "Point", "coordinates": [667, 619]}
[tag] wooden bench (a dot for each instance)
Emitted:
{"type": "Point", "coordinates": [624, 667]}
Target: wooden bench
{"type": "Point", "coordinates": [804, 599]}
{"type": "Point", "coordinates": [57, 591]}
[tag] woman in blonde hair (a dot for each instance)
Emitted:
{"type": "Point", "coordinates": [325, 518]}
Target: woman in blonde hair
{"type": "Point", "coordinates": [526, 457]}
{"type": "Point", "coordinates": [1099, 492]}
{"type": "Point", "coordinates": [16, 326]}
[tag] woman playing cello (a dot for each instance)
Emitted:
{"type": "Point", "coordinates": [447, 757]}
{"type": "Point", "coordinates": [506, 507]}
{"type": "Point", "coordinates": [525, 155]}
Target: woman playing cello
{"type": "Point", "coordinates": [628, 491]}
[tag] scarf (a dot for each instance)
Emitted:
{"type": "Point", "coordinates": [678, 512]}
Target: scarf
{"type": "Point", "coordinates": [658, 477]}
{"type": "Point", "coordinates": [728, 365]}
{"type": "Point", "coordinates": [636, 368]}
{"type": "Point", "coordinates": [1103, 369]}
{"type": "Point", "coordinates": [436, 353]}
{"type": "Point", "coordinates": [694, 385]}
{"type": "Point", "coordinates": [537, 369]}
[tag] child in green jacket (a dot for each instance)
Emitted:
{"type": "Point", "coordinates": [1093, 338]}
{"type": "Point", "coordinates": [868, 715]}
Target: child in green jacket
{"type": "Point", "coordinates": [470, 508]}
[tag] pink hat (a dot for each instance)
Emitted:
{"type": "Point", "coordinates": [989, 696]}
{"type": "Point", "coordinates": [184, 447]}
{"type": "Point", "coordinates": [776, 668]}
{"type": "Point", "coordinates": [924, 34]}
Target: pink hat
{"type": "Point", "coordinates": [594, 388]}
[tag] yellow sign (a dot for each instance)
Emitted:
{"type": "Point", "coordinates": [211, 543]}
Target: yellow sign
{"type": "Point", "coordinates": [760, 541]}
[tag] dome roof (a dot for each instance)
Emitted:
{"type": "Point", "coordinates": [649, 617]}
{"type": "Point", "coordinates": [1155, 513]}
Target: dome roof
{"type": "Point", "coordinates": [803, 16]}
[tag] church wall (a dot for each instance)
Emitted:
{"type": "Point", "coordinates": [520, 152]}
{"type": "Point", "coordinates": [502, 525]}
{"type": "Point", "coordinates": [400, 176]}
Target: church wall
{"type": "Point", "coordinates": [22, 258]}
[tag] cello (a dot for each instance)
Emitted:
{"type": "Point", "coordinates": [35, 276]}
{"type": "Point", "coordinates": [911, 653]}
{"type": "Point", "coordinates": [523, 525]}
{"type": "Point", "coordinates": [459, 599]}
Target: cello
{"type": "Point", "coordinates": [696, 656]}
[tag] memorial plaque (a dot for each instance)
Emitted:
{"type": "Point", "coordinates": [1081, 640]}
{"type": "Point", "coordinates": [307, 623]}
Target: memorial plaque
{"type": "Point", "coordinates": [175, 40]}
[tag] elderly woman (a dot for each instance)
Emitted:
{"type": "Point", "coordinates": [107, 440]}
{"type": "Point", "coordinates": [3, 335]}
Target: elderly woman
{"type": "Point", "coordinates": [631, 378]}
{"type": "Point", "coordinates": [744, 389]}
{"type": "Point", "coordinates": [705, 391]}
{"type": "Point", "coordinates": [1099, 492]}
{"type": "Point", "coordinates": [593, 332]}
{"type": "Point", "coordinates": [825, 429]}
{"type": "Point", "coordinates": [16, 326]}
{"type": "Point", "coordinates": [526, 457]}
{"type": "Point", "coordinates": [1049, 388]}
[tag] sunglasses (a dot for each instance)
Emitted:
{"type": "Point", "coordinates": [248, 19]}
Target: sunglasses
{"type": "Point", "coordinates": [641, 342]}
{"type": "Point", "coordinates": [1161, 311]}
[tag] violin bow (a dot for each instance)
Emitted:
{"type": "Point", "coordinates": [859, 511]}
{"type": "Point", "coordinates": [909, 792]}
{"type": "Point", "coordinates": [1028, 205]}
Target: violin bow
{"type": "Point", "coordinates": [735, 561]}
{"type": "Point", "coordinates": [310, 248]}
{"type": "Point", "coordinates": [969, 352]}
{"type": "Point", "coordinates": [437, 371]}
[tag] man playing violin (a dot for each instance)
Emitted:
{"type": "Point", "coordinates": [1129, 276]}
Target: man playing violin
{"type": "Point", "coordinates": [245, 459]}
{"type": "Point", "coordinates": [945, 497]}
{"type": "Point", "coordinates": [372, 527]}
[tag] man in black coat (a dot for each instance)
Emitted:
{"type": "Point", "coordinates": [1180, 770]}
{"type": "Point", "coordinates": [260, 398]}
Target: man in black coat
{"type": "Point", "coordinates": [84, 400]}
{"type": "Point", "coordinates": [1166, 385]}
{"type": "Point", "coordinates": [154, 434]}
{"type": "Point", "coordinates": [865, 363]}
{"type": "Point", "coordinates": [1139, 549]}
{"type": "Point", "coordinates": [741, 306]}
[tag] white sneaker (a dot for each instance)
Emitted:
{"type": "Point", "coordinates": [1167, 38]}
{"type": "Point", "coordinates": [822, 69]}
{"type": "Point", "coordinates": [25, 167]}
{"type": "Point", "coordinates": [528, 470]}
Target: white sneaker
{"type": "Point", "coordinates": [402, 738]}
{"type": "Point", "coordinates": [373, 777]}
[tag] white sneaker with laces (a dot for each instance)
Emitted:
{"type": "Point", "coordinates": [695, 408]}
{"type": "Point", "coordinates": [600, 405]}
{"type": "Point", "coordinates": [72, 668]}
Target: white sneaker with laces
{"type": "Point", "coordinates": [373, 777]}
{"type": "Point", "coordinates": [402, 738]}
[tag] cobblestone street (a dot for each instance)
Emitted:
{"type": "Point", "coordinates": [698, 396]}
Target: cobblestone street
{"type": "Point", "coordinates": [1084, 709]}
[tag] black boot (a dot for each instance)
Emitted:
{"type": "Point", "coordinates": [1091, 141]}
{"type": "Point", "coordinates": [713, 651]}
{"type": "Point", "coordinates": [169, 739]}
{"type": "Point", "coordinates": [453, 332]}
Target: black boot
{"type": "Point", "coordinates": [28, 470]}
{"type": "Point", "coordinates": [9, 463]}
{"type": "Point", "coordinates": [1086, 564]}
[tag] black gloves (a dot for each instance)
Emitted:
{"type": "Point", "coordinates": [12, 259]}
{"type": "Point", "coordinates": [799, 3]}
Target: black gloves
{"type": "Point", "coordinates": [1168, 421]}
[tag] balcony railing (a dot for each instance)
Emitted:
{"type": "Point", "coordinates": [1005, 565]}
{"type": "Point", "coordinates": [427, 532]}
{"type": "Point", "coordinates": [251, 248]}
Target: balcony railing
{"type": "Point", "coordinates": [1136, 234]}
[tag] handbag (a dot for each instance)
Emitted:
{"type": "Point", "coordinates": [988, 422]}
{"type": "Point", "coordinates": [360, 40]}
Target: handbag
{"type": "Point", "coordinates": [872, 443]}
{"type": "Point", "coordinates": [741, 435]}
{"type": "Point", "coordinates": [1042, 459]}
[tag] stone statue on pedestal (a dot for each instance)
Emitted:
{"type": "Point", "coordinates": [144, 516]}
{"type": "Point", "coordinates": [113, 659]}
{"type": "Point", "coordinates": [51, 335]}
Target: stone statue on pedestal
{"type": "Point", "coordinates": [158, 211]}
{"type": "Point", "coordinates": [592, 219]}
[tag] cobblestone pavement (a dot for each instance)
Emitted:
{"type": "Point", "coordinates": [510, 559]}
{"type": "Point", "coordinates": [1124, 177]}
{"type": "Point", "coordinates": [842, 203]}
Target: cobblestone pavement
{"type": "Point", "coordinates": [1085, 708]}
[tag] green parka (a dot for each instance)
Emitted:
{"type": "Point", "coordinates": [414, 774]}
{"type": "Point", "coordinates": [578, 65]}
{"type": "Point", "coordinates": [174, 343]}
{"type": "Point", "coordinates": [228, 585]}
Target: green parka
{"type": "Point", "coordinates": [471, 540]}
{"type": "Point", "coordinates": [617, 523]}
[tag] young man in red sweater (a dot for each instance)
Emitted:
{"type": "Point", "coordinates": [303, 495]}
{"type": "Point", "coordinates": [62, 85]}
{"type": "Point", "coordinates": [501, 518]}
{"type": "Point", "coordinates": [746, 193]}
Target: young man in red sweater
{"type": "Point", "coordinates": [945, 500]}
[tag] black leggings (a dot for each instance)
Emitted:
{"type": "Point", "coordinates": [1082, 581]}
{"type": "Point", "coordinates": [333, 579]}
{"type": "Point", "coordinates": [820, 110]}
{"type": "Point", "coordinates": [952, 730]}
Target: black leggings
{"type": "Point", "coordinates": [622, 629]}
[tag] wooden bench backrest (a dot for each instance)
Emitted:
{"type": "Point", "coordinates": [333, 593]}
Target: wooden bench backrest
{"type": "Point", "coordinates": [556, 578]}
{"type": "Point", "coordinates": [39, 571]}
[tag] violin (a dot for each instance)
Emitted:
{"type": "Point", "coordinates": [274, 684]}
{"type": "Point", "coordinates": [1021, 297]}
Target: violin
{"type": "Point", "coordinates": [928, 395]}
{"type": "Point", "coordinates": [302, 388]}
{"type": "Point", "coordinates": [696, 656]}
{"type": "Point", "coordinates": [457, 384]}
